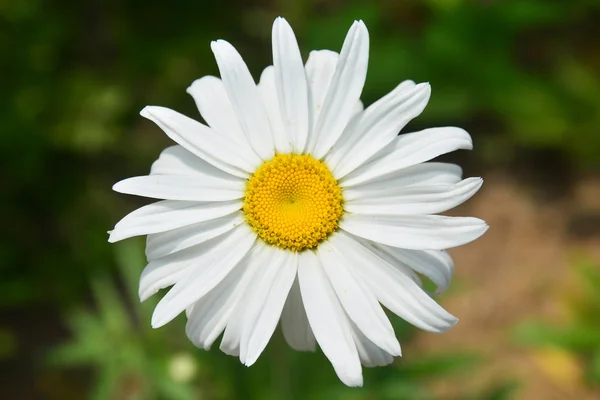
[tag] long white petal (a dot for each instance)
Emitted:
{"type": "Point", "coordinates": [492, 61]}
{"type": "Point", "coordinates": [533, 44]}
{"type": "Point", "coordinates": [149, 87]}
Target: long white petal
{"type": "Point", "coordinates": [165, 243]}
{"type": "Point", "coordinates": [176, 160]}
{"type": "Point", "coordinates": [203, 278]}
{"type": "Point", "coordinates": [182, 187]}
{"type": "Point", "coordinates": [198, 138]}
{"type": "Point", "coordinates": [393, 288]}
{"type": "Point", "coordinates": [268, 92]}
{"type": "Point", "coordinates": [165, 215]}
{"type": "Point", "coordinates": [431, 173]}
{"type": "Point", "coordinates": [410, 149]}
{"type": "Point", "coordinates": [349, 135]}
{"type": "Point", "coordinates": [294, 322]}
{"type": "Point", "coordinates": [290, 80]}
{"type": "Point", "coordinates": [245, 99]}
{"type": "Point", "coordinates": [437, 265]}
{"type": "Point", "coordinates": [358, 107]}
{"type": "Point", "coordinates": [257, 258]}
{"type": "Point", "coordinates": [327, 319]}
{"type": "Point", "coordinates": [377, 248]}
{"type": "Point", "coordinates": [370, 354]}
{"type": "Point", "coordinates": [378, 125]}
{"type": "Point", "coordinates": [166, 271]}
{"type": "Point", "coordinates": [267, 305]}
{"type": "Point", "coordinates": [417, 232]}
{"type": "Point", "coordinates": [430, 199]}
{"type": "Point", "coordinates": [359, 303]}
{"type": "Point", "coordinates": [320, 68]}
{"type": "Point", "coordinates": [255, 296]}
{"type": "Point", "coordinates": [211, 314]}
{"type": "Point", "coordinates": [344, 91]}
{"type": "Point", "coordinates": [216, 109]}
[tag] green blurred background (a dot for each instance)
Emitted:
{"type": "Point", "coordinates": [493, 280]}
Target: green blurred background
{"type": "Point", "coordinates": [522, 76]}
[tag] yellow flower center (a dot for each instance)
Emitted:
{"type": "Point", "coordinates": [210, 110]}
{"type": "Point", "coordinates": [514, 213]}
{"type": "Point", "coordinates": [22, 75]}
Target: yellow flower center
{"type": "Point", "coordinates": [293, 202]}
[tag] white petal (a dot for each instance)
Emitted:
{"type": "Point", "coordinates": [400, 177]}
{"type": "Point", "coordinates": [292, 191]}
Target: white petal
{"type": "Point", "coordinates": [182, 187]}
{"type": "Point", "coordinates": [430, 199]}
{"type": "Point", "coordinates": [349, 135]}
{"type": "Point", "coordinates": [294, 322]}
{"type": "Point", "coordinates": [437, 265]}
{"type": "Point", "coordinates": [358, 107]}
{"type": "Point", "coordinates": [417, 232]}
{"type": "Point", "coordinates": [203, 278]}
{"type": "Point", "coordinates": [359, 303]}
{"type": "Point", "coordinates": [328, 320]}
{"type": "Point", "coordinates": [216, 109]}
{"type": "Point", "coordinates": [245, 99]}
{"type": "Point", "coordinates": [166, 271]}
{"type": "Point", "coordinates": [188, 311]}
{"type": "Point", "coordinates": [273, 282]}
{"type": "Point", "coordinates": [215, 149]}
{"type": "Point", "coordinates": [210, 315]}
{"type": "Point", "coordinates": [378, 125]}
{"type": "Point", "coordinates": [291, 85]}
{"type": "Point", "coordinates": [432, 173]}
{"type": "Point", "coordinates": [268, 92]}
{"type": "Point", "coordinates": [175, 160]}
{"type": "Point", "coordinates": [165, 215]}
{"type": "Point", "coordinates": [253, 262]}
{"type": "Point", "coordinates": [320, 68]}
{"type": "Point", "coordinates": [393, 288]}
{"type": "Point", "coordinates": [162, 273]}
{"type": "Point", "coordinates": [377, 248]}
{"type": "Point", "coordinates": [370, 354]}
{"type": "Point", "coordinates": [410, 149]}
{"type": "Point", "coordinates": [165, 243]}
{"type": "Point", "coordinates": [343, 92]}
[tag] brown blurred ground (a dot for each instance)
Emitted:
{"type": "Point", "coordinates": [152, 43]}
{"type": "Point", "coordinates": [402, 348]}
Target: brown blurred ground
{"type": "Point", "coordinates": [519, 270]}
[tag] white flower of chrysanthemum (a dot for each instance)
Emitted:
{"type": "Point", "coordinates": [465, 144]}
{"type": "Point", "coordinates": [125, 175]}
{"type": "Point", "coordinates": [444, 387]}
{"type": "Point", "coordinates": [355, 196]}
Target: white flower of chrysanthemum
{"type": "Point", "coordinates": [296, 205]}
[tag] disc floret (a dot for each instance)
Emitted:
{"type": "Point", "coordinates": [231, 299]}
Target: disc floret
{"type": "Point", "coordinates": [293, 202]}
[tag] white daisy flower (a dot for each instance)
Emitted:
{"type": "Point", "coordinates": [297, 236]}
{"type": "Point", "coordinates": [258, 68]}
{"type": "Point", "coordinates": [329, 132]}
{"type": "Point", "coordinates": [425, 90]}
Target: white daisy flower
{"type": "Point", "coordinates": [295, 205]}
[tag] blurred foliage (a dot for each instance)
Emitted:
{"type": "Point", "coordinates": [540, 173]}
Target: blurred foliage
{"type": "Point", "coordinates": [570, 351]}
{"type": "Point", "coordinates": [130, 360]}
{"type": "Point", "coordinates": [520, 75]}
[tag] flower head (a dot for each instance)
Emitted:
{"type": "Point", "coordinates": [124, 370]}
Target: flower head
{"type": "Point", "coordinates": [296, 206]}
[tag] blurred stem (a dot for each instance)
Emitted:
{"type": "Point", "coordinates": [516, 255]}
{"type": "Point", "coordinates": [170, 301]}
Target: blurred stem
{"type": "Point", "coordinates": [281, 372]}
